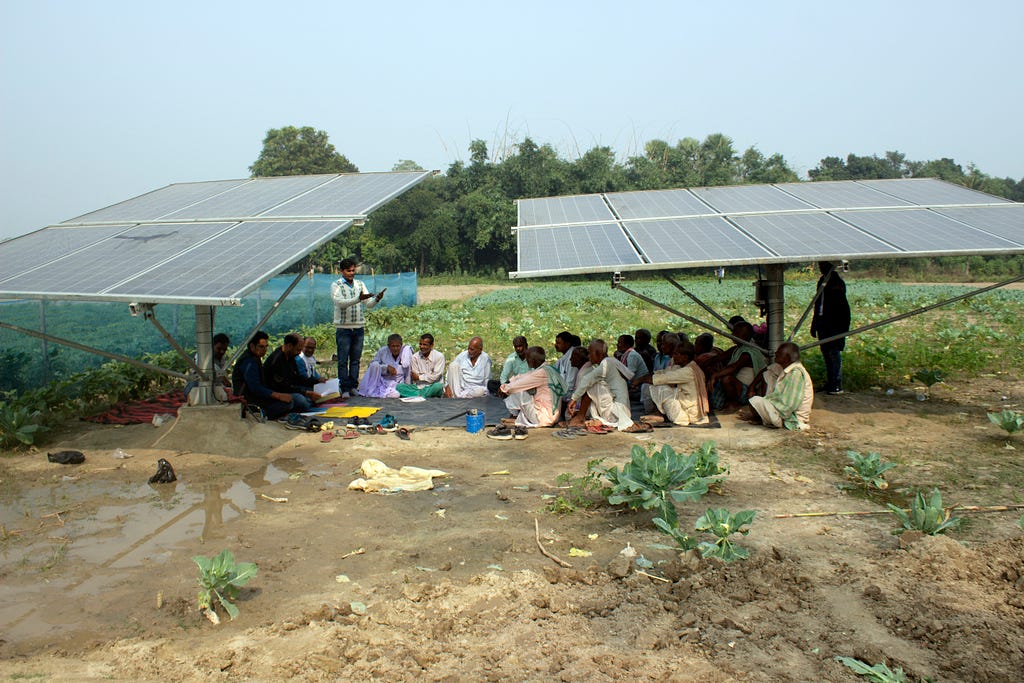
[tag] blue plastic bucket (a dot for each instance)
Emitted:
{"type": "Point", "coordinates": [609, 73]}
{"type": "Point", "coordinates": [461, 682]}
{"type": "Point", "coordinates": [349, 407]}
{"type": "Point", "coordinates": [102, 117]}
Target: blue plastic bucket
{"type": "Point", "coordinates": [474, 421]}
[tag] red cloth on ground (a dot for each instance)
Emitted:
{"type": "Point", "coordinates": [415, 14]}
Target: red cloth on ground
{"type": "Point", "coordinates": [142, 412]}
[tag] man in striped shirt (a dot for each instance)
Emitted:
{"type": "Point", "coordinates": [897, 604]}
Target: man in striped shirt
{"type": "Point", "coordinates": [788, 400]}
{"type": "Point", "coordinates": [349, 295]}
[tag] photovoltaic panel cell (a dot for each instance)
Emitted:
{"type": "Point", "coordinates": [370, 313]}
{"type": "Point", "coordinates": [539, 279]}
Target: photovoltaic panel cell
{"type": "Point", "coordinates": [924, 231]}
{"type": "Point", "coordinates": [29, 251]}
{"type": "Point", "coordinates": [354, 194]}
{"type": "Point", "coordinates": [108, 262]}
{"type": "Point", "coordinates": [740, 198]}
{"type": "Point", "coordinates": [930, 191]}
{"type": "Point", "coordinates": [840, 194]}
{"type": "Point", "coordinates": [553, 210]}
{"type": "Point", "coordinates": [233, 263]}
{"type": "Point", "coordinates": [577, 247]}
{"type": "Point", "coordinates": [694, 240]}
{"type": "Point", "coordinates": [158, 203]}
{"type": "Point", "coordinates": [251, 199]}
{"type": "Point", "coordinates": [657, 204]}
{"type": "Point", "coordinates": [808, 237]}
{"type": "Point", "coordinates": [1007, 222]}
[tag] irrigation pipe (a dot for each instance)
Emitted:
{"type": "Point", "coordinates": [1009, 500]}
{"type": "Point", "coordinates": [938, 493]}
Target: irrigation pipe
{"type": "Point", "coordinates": [866, 513]}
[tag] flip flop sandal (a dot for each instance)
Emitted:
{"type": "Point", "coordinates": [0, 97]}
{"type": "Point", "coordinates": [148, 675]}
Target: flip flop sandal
{"type": "Point", "coordinates": [379, 429]}
{"type": "Point", "coordinates": [403, 433]}
{"type": "Point", "coordinates": [564, 434]}
{"type": "Point", "coordinates": [596, 429]}
{"type": "Point", "coordinates": [350, 434]}
{"type": "Point", "coordinates": [326, 436]}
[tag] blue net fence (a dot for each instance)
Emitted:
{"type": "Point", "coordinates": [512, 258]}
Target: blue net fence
{"type": "Point", "coordinates": [29, 362]}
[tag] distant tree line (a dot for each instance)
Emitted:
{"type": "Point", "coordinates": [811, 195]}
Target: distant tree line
{"type": "Point", "coordinates": [459, 222]}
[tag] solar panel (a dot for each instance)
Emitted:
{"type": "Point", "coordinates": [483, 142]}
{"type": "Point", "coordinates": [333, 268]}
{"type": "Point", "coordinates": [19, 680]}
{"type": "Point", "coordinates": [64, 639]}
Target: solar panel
{"type": "Point", "coordinates": [740, 198]}
{"type": "Point", "coordinates": [158, 203]}
{"type": "Point", "coordinates": [213, 251]}
{"type": "Point", "coordinates": [29, 251]}
{"type": "Point", "coordinates": [811, 237]}
{"type": "Point", "coordinates": [108, 262]}
{"type": "Point", "coordinates": [554, 210]}
{"type": "Point", "coordinates": [924, 231]}
{"type": "Point", "coordinates": [699, 241]}
{"type": "Point", "coordinates": [355, 194]}
{"type": "Point", "coordinates": [840, 194]}
{"type": "Point", "coordinates": [1007, 223]}
{"type": "Point", "coordinates": [789, 222]}
{"type": "Point", "coordinates": [205, 272]}
{"type": "Point", "coordinates": [251, 199]}
{"type": "Point", "coordinates": [657, 204]}
{"type": "Point", "coordinates": [930, 191]}
{"type": "Point", "coordinates": [579, 248]}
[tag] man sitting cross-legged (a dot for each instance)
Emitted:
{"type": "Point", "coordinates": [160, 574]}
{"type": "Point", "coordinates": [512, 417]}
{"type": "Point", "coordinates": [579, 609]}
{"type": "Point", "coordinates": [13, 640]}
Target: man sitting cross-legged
{"type": "Point", "coordinates": [469, 372]}
{"type": "Point", "coordinates": [388, 369]}
{"type": "Point", "coordinates": [533, 397]}
{"type": "Point", "coordinates": [790, 396]}
{"type": "Point", "coordinates": [426, 371]}
{"type": "Point", "coordinates": [247, 380]}
{"type": "Point", "coordinates": [678, 392]}
{"type": "Point", "coordinates": [605, 384]}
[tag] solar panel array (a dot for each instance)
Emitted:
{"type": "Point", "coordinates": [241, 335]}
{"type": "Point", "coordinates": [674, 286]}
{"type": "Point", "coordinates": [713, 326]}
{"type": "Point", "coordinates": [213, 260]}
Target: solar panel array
{"type": "Point", "coordinates": [761, 224]}
{"type": "Point", "coordinates": [207, 243]}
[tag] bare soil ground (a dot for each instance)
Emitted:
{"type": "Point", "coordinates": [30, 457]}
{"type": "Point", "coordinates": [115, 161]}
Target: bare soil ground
{"type": "Point", "coordinates": [97, 581]}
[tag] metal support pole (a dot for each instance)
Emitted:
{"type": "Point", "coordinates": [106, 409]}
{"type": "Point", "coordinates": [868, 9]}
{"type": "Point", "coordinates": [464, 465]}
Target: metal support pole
{"type": "Point", "coordinates": [775, 304]}
{"type": "Point", "coordinates": [89, 349]}
{"type": "Point", "coordinates": [202, 395]}
{"type": "Point", "coordinates": [697, 301]}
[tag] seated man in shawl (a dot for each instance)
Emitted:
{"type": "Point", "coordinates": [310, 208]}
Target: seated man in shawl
{"type": "Point", "coordinates": [282, 374]}
{"type": "Point", "coordinates": [533, 397]}
{"type": "Point", "coordinates": [729, 384]}
{"type": "Point", "coordinates": [388, 369]}
{"type": "Point", "coordinates": [247, 380]}
{"type": "Point", "coordinates": [469, 373]}
{"type": "Point", "coordinates": [426, 371]}
{"type": "Point", "coordinates": [678, 392]}
{"type": "Point", "coordinates": [790, 393]}
{"type": "Point", "coordinates": [605, 384]}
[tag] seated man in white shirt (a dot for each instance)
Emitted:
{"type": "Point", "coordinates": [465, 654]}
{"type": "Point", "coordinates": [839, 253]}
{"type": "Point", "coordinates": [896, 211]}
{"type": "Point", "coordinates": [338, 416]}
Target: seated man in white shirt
{"type": "Point", "coordinates": [469, 373]}
{"type": "Point", "coordinates": [306, 360]}
{"type": "Point", "coordinates": [426, 371]}
{"type": "Point", "coordinates": [606, 386]}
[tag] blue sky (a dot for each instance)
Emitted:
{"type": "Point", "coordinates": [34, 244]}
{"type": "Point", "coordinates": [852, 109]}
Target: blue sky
{"type": "Point", "coordinates": [101, 101]}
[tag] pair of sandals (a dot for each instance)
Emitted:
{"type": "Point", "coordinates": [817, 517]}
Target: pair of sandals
{"type": "Point", "coordinates": [504, 432]}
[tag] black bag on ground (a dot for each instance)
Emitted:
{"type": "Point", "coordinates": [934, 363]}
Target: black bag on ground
{"type": "Point", "coordinates": [66, 457]}
{"type": "Point", "coordinates": [164, 473]}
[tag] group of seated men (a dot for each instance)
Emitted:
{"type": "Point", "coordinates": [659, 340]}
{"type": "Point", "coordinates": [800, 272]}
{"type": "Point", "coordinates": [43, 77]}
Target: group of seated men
{"type": "Point", "coordinates": [677, 381]}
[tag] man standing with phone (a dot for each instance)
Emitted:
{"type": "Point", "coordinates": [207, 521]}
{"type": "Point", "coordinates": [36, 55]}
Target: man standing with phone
{"type": "Point", "coordinates": [351, 298]}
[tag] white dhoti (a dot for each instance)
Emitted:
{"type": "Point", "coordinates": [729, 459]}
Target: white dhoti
{"type": "Point", "coordinates": [666, 399]}
{"type": "Point", "coordinates": [460, 388]}
{"type": "Point", "coordinates": [769, 414]}
{"type": "Point", "coordinates": [607, 410]}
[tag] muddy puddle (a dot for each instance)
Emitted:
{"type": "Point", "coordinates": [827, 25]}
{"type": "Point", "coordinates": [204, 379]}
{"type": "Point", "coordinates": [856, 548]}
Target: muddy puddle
{"type": "Point", "coordinates": [95, 532]}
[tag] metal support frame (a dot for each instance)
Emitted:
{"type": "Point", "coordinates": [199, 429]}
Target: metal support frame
{"type": "Point", "coordinates": [617, 284]}
{"type": "Point", "coordinates": [89, 349]}
{"type": "Point", "coordinates": [775, 300]}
